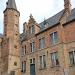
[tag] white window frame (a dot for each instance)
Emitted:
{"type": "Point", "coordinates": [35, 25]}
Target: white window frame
{"type": "Point", "coordinates": [42, 43]}
{"type": "Point", "coordinates": [53, 40]}
{"type": "Point", "coordinates": [73, 51]}
{"type": "Point", "coordinates": [32, 61]}
{"type": "Point", "coordinates": [31, 29]}
{"type": "Point", "coordinates": [23, 50]}
{"type": "Point", "coordinates": [42, 62]}
{"type": "Point", "coordinates": [54, 56]}
{"type": "Point", "coordinates": [23, 66]}
{"type": "Point", "coordinates": [32, 45]}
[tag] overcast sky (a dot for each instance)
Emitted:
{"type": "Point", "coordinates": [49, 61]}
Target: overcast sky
{"type": "Point", "coordinates": [40, 9]}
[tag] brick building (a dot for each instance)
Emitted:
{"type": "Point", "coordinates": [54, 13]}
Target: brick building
{"type": "Point", "coordinates": [48, 48]}
{"type": "Point", "coordinates": [45, 48]}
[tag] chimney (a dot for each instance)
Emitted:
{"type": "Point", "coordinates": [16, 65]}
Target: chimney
{"type": "Point", "coordinates": [25, 27]}
{"type": "Point", "coordinates": [67, 6]}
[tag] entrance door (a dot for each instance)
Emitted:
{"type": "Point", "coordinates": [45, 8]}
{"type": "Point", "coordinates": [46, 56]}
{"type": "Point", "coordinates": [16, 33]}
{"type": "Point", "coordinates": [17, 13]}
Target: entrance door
{"type": "Point", "coordinates": [32, 69]}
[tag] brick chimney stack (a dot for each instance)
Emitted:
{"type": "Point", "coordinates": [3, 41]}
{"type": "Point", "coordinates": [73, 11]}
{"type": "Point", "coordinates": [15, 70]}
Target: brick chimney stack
{"type": "Point", "coordinates": [67, 6]}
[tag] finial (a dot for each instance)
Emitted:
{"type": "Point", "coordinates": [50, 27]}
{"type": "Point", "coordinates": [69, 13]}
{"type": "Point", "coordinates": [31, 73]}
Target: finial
{"type": "Point", "coordinates": [44, 21]}
{"type": "Point", "coordinates": [31, 15]}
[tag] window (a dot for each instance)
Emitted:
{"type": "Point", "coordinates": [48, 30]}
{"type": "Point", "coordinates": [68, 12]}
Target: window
{"type": "Point", "coordinates": [54, 59]}
{"type": "Point", "coordinates": [32, 61]}
{"type": "Point", "coordinates": [16, 15]}
{"type": "Point", "coordinates": [42, 43]}
{"type": "Point", "coordinates": [15, 46]}
{"type": "Point", "coordinates": [5, 34]}
{"type": "Point", "coordinates": [54, 38]}
{"type": "Point", "coordinates": [72, 57]}
{"type": "Point", "coordinates": [16, 25]}
{"type": "Point", "coordinates": [23, 66]}
{"type": "Point", "coordinates": [45, 23]}
{"type": "Point", "coordinates": [42, 62]}
{"type": "Point", "coordinates": [24, 50]}
{"type": "Point", "coordinates": [12, 73]}
{"type": "Point", "coordinates": [32, 45]}
{"type": "Point", "coordinates": [15, 63]}
{"type": "Point", "coordinates": [31, 29]}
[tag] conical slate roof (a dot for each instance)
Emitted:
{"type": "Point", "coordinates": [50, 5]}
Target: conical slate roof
{"type": "Point", "coordinates": [11, 4]}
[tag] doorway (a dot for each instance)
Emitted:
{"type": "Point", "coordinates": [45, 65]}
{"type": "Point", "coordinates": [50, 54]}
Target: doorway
{"type": "Point", "coordinates": [32, 69]}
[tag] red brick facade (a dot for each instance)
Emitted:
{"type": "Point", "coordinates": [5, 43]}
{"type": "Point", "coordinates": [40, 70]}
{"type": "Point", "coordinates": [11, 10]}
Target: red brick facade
{"type": "Point", "coordinates": [65, 45]}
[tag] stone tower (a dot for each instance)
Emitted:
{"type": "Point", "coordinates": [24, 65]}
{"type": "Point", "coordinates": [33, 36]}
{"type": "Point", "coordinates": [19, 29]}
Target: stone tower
{"type": "Point", "coordinates": [11, 46]}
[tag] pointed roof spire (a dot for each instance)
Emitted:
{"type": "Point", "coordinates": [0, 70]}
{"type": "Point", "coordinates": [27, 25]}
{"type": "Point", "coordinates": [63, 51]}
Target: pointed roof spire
{"type": "Point", "coordinates": [31, 19]}
{"type": "Point", "coordinates": [31, 15]}
{"type": "Point", "coordinates": [11, 4]}
{"type": "Point", "coordinates": [44, 21]}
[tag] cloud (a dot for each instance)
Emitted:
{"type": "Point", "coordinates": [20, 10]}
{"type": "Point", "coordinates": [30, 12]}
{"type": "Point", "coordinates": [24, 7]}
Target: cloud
{"type": "Point", "coordinates": [2, 7]}
{"type": "Point", "coordinates": [73, 3]}
{"type": "Point", "coordinates": [40, 9]}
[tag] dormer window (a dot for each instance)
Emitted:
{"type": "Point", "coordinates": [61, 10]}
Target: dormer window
{"type": "Point", "coordinates": [31, 29]}
{"type": "Point", "coordinates": [45, 23]}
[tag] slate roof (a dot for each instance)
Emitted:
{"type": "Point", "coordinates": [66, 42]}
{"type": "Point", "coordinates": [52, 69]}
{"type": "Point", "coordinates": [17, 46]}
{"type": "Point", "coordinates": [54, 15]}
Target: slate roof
{"type": "Point", "coordinates": [11, 4]}
{"type": "Point", "coordinates": [54, 20]}
{"type": "Point", "coordinates": [72, 16]}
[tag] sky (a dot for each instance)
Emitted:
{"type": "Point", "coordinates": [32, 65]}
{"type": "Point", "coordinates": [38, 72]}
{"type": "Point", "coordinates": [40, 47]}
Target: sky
{"type": "Point", "coordinates": [40, 9]}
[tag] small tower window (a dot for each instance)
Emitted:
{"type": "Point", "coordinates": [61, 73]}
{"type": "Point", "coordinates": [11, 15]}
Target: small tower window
{"type": "Point", "coordinates": [15, 46]}
{"type": "Point", "coordinates": [31, 29]}
{"type": "Point", "coordinates": [16, 25]}
{"type": "Point", "coordinates": [15, 63]}
{"type": "Point", "coordinates": [12, 73]}
{"type": "Point", "coordinates": [16, 15]}
{"type": "Point", "coordinates": [5, 34]}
